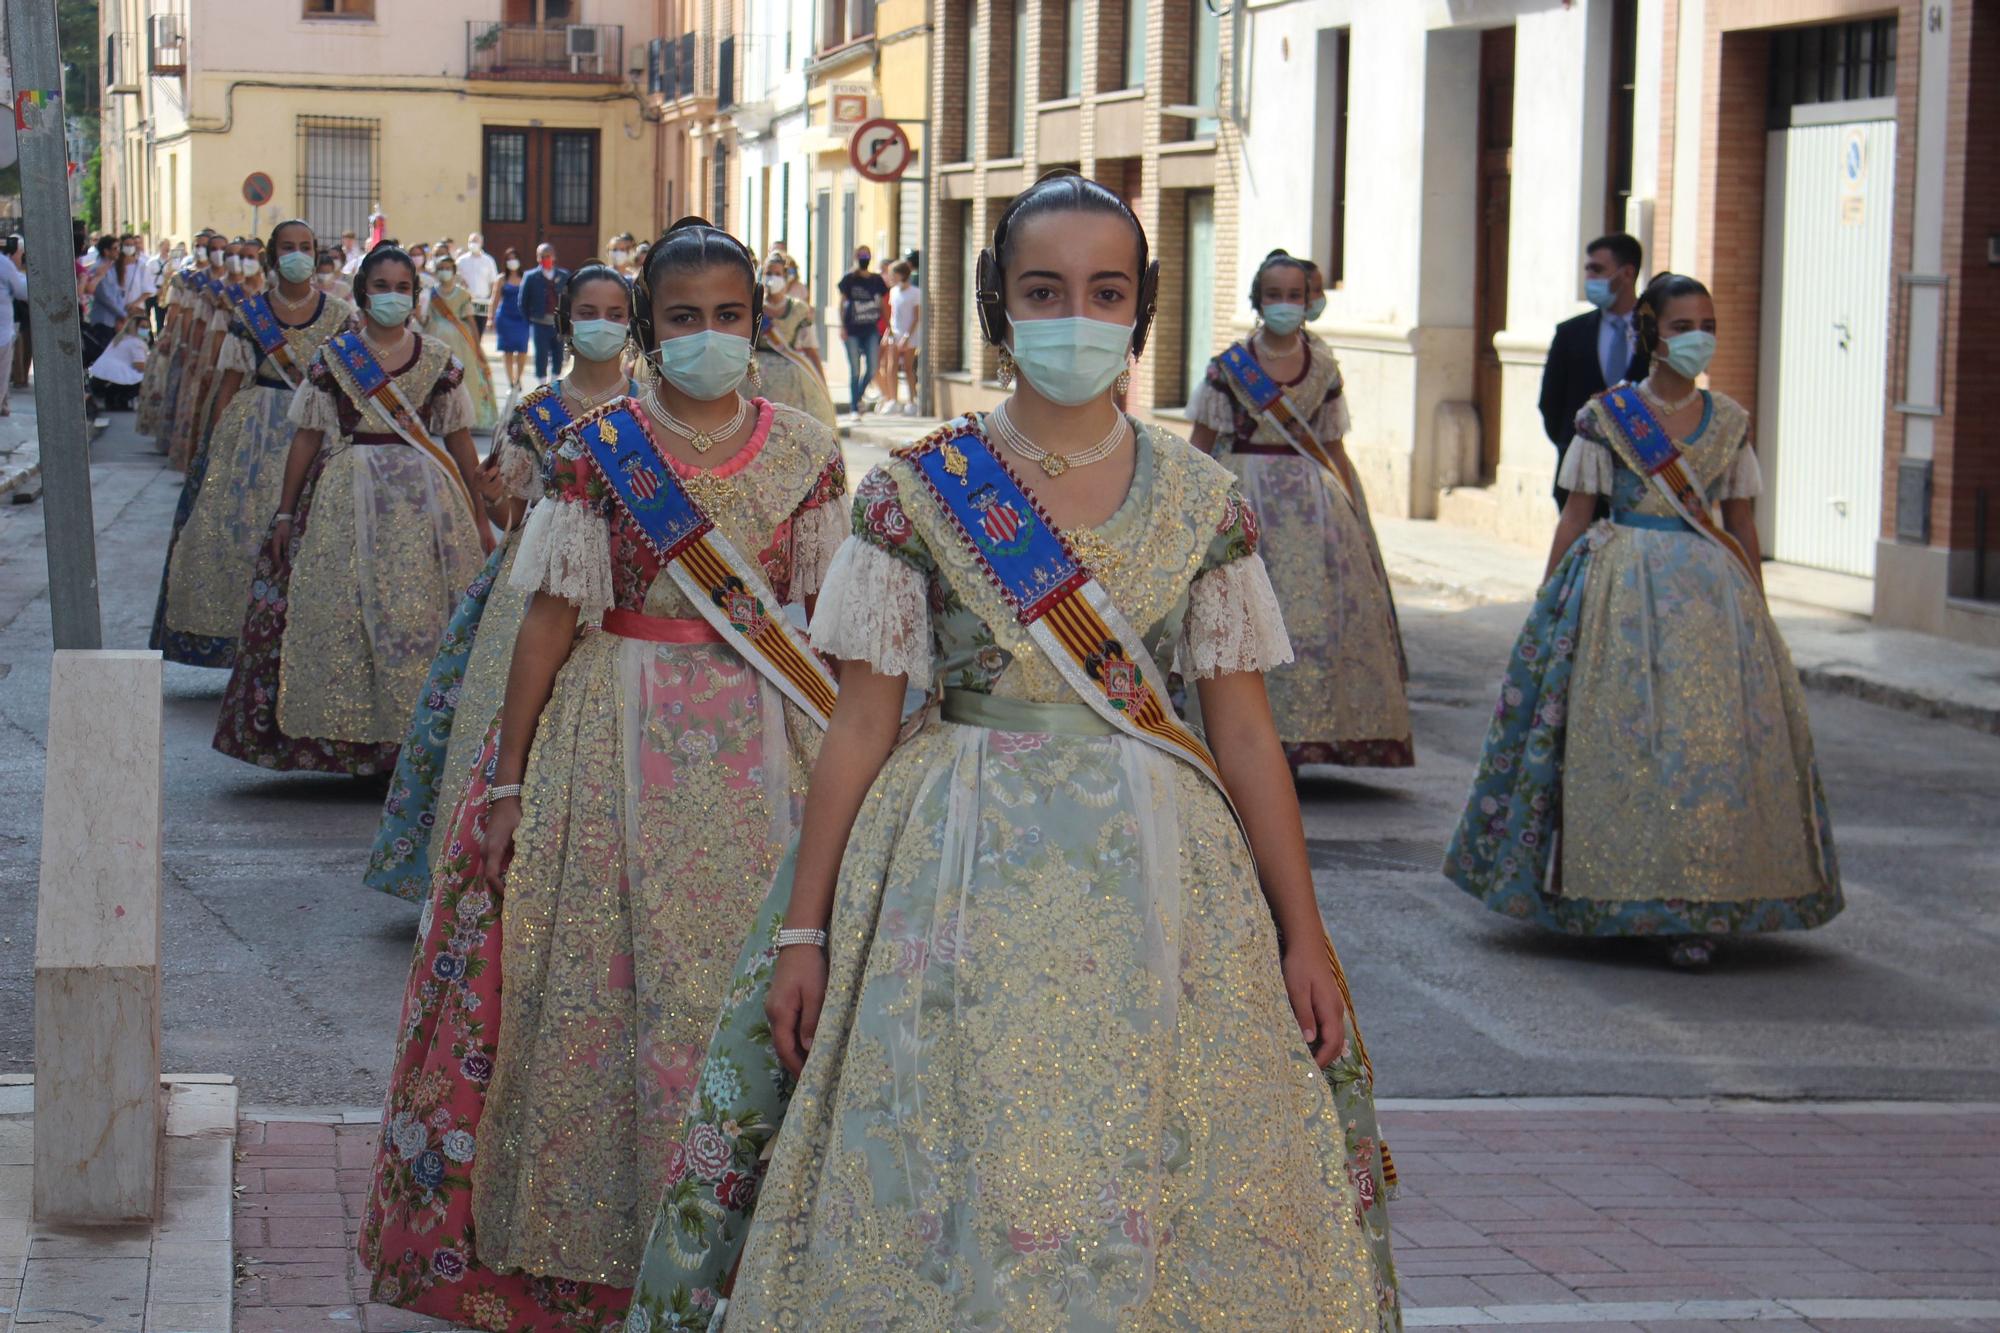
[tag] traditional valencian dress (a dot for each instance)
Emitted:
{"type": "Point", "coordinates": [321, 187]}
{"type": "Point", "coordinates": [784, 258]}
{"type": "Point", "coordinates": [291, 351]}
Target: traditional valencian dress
{"type": "Point", "coordinates": [789, 377]}
{"type": "Point", "coordinates": [1057, 1082]}
{"type": "Point", "coordinates": [468, 678]}
{"type": "Point", "coordinates": [540, 1072]}
{"type": "Point", "coordinates": [207, 328]}
{"type": "Point", "coordinates": [174, 299]}
{"type": "Point", "coordinates": [237, 479]}
{"type": "Point", "coordinates": [1649, 770]}
{"type": "Point", "coordinates": [1343, 699]}
{"type": "Point", "coordinates": [338, 641]}
{"type": "Point", "coordinates": [448, 317]}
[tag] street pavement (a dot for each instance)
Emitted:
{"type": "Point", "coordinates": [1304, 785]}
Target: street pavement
{"type": "Point", "coordinates": [1682, 1211]}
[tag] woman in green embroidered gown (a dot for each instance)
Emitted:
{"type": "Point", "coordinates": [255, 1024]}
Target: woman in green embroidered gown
{"type": "Point", "coordinates": [1650, 770]}
{"type": "Point", "coordinates": [1053, 982]}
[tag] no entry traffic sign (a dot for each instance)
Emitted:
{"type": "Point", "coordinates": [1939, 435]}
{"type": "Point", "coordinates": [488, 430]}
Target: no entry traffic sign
{"type": "Point", "coordinates": [257, 189]}
{"type": "Point", "coordinates": [880, 150]}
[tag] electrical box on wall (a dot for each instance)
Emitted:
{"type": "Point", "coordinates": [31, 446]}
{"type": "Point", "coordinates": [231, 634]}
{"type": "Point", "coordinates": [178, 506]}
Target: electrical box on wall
{"type": "Point", "coordinates": [1913, 501]}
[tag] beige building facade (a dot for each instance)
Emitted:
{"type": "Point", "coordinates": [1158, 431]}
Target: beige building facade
{"type": "Point", "coordinates": [525, 119]}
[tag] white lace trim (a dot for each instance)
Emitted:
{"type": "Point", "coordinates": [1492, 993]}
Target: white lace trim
{"type": "Point", "coordinates": [566, 552]}
{"type": "Point", "coordinates": [1587, 467]}
{"type": "Point", "coordinates": [454, 414]}
{"type": "Point", "coordinates": [1206, 406]}
{"type": "Point", "coordinates": [237, 356]}
{"type": "Point", "coordinates": [817, 535]}
{"type": "Point", "coordinates": [1233, 622]}
{"type": "Point", "coordinates": [314, 409]}
{"type": "Point", "coordinates": [874, 608]}
{"type": "Point", "coordinates": [1745, 478]}
{"type": "Point", "coordinates": [520, 473]}
{"type": "Point", "coordinates": [1333, 421]}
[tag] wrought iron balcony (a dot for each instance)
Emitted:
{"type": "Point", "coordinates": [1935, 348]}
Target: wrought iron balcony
{"type": "Point", "coordinates": [558, 53]}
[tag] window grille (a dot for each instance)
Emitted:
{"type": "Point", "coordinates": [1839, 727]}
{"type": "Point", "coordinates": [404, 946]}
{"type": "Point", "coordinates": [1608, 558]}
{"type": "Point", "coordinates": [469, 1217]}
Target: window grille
{"type": "Point", "coordinates": [339, 172]}
{"type": "Point", "coordinates": [573, 180]}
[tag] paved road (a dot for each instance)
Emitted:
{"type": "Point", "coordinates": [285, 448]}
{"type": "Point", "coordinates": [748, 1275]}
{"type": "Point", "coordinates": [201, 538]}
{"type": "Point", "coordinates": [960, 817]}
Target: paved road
{"type": "Point", "coordinates": [282, 970]}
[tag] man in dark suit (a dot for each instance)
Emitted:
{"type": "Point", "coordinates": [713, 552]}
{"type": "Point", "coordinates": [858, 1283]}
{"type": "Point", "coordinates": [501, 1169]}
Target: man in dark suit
{"type": "Point", "coordinates": [1594, 351]}
{"type": "Point", "coordinates": [541, 296]}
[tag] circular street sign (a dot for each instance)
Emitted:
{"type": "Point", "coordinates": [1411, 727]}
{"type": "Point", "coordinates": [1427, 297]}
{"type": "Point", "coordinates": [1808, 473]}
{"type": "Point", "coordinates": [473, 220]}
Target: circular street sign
{"type": "Point", "coordinates": [257, 190]}
{"type": "Point", "coordinates": [880, 150]}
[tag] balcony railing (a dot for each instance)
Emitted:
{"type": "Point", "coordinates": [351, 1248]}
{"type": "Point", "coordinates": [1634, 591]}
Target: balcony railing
{"type": "Point", "coordinates": [561, 53]}
{"type": "Point", "coordinates": [166, 46]}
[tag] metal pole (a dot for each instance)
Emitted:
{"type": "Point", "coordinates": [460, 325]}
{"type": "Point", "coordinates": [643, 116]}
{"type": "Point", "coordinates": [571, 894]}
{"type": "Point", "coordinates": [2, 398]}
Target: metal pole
{"type": "Point", "coordinates": [924, 403]}
{"type": "Point", "coordinates": [70, 534]}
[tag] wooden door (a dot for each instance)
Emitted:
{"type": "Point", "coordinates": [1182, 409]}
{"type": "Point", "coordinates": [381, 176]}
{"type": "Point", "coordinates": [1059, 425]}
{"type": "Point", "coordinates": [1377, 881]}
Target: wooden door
{"type": "Point", "coordinates": [1495, 200]}
{"type": "Point", "coordinates": [541, 185]}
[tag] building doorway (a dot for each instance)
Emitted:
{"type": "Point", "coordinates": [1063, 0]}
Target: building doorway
{"type": "Point", "coordinates": [540, 185]}
{"type": "Point", "coordinates": [1829, 209]}
{"type": "Point", "coordinates": [1495, 202]}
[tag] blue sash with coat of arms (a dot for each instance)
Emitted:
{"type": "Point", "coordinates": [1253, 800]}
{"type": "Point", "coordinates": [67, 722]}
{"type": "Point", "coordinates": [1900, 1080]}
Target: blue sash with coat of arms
{"type": "Point", "coordinates": [729, 591]}
{"type": "Point", "coordinates": [1654, 455]}
{"type": "Point", "coordinates": [1267, 397]}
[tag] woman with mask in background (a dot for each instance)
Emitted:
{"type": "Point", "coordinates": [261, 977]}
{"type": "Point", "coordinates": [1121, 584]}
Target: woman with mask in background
{"type": "Point", "coordinates": [1271, 410]}
{"type": "Point", "coordinates": [788, 349]}
{"type": "Point", "coordinates": [1026, 962]}
{"type": "Point", "coordinates": [510, 324]}
{"type": "Point", "coordinates": [630, 811]}
{"type": "Point", "coordinates": [159, 365]}
{"type": "Point", "coordinates": [326, 277]}
{"type": "Point", "coordinates": [159, 399]}
{"type": "Point", "coordinates": [246, 282]}
{"type": "Point", "coordinates": [448, 318]}
{"type": "Point", "coordinates": [1649, 770]}
{"type": "Point", "coordinates": [469, 674]}
{"type": "Point", "coordinates": [233, 486]}
{"type": "Point", "coordinates": [379, 528]}
{"type": "Point", "coordinates": [204, 334]}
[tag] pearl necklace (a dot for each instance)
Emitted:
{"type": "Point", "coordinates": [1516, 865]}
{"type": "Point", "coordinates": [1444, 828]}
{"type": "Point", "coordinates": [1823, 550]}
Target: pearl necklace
{"type": "Point", "coordinates": [586, 401]}
{"type": "Point", "coordinates": [1055, 464]}
{"type": "Point", "coordinates": [701, 441]}
{"type": "Point", "coordinates": [1665, 408]}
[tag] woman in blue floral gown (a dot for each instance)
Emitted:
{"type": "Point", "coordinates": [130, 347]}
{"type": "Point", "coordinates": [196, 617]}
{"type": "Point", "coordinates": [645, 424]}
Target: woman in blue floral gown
{"type": "Point", "coordinates": [1650, 767]}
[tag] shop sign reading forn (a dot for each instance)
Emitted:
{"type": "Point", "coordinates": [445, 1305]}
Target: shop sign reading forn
{"type": "Point", "coordinates": [881, 151]}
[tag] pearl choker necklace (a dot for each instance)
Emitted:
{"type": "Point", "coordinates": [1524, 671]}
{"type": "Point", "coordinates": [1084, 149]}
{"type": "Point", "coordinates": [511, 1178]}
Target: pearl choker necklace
{"type": "Point", "coordinates": [1055, 464]}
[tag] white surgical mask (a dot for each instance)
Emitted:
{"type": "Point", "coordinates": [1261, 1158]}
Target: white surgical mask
{"type": "Point", "coordinates": [128, 250]}
{"type": "Point", "coordinates": [233, 264]}
{"type": "Point", "coordinates": [1598, 292]}
{"type": "Point", "coordinates": [201, 254]}
{"type": "Point", "coordinates": [1282, 317]}
{"type": "Point", "coordinates": [775, 284]}
{"type": "Point", "coordinates": [476, 248]}
{"type": "Point", "coordinates": [1690, 353]}
{"type": "Point", "coordinates": [513, 266]}
{"type": "Point", "coordinates": [390, 309]}
{"type": "Point", "coordinates": [1070, 360]}
{"type": "Point", "coordinates": [447, 276]}
{"type": "Point", "coordinates": [618, 257]}
{"type": "Point", "coordinates": [1316, 307]}
{"type": "Point", "coordinates": [704, 365]}
{"type": "Point", "coordinates": [597, 339]}
{"type": "Point", "coordinates": [295, 266]}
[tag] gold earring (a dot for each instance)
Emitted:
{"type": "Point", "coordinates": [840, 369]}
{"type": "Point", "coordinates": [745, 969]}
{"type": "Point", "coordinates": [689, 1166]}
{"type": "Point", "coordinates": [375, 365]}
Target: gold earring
{"type": "Point", "coordinates": [1123, 384]}
{"type": "Point", "coordinates": [756, 374]}
{"type": "Point", "coordinates": [1007, 369]}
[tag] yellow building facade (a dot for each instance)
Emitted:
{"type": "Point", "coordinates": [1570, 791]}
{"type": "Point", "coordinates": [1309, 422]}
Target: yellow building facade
{"type": "Point", "coordinates": [524, 119]}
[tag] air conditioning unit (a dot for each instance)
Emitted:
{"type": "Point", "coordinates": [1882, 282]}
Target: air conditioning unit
{"type": "Point", "coordinates": [166, 46]}
{"type": "Point", "coordinates": [584, 54]}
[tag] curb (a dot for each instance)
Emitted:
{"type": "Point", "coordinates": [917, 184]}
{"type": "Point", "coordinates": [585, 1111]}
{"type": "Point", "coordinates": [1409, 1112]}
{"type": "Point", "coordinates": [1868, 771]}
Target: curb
{"type": "Point", "coordinates": [21, 474]}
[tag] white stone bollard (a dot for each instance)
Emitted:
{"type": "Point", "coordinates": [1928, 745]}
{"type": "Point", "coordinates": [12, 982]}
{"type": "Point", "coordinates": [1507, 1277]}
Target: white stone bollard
{"type": "Point", "coordinates": [97, 943]}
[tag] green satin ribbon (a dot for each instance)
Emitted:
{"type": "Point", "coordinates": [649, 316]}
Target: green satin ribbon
{"type": "Point", "coordinates": [973, 709]}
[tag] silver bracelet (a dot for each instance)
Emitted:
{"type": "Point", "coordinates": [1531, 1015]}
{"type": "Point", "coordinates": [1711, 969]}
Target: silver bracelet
{"type": "Point", "coordinates": [276, 519]}
{"type": "Point", "coordinates": [502, 793]}
{"type": "Point", "coordinates": [801, 935]}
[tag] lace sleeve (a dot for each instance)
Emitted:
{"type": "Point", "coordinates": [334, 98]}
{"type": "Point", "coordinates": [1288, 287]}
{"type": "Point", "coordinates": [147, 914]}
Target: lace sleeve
{"type": "Point", "coordinates": [452, 412]}
{"type": "Point", "coordinates": [1745, 478]}
{"type": "Point", "coordinates": [237, 356]}
{"type": "Point", "coordinates": [874, 608]}
{"type": "Point", "coordinates": [1587, 467]}
{"type": "Point", "coordinates": [1233, 622]}
{"type": "Point", "coordinates": [1332, 421]}
{"type": "Point", "coordinates": [1210, 405]}
{"type": "Point", "coordinates": [520, 471]}
{"type": "Point", "coordinates": [313, 408]}
{"type": "Point", "coordinates": [817, 536]}
{"type": "Point", "coordinates": [566, 552]}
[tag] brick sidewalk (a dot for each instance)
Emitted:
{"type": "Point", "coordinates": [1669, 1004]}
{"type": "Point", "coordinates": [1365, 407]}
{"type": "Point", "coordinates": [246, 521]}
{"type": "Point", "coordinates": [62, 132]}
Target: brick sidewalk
{"type": "Point", "coordinates": [1574, 1214]}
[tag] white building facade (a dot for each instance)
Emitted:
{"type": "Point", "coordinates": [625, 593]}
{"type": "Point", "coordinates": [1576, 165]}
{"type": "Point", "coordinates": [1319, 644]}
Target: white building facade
{"type": "Point", "coordinates": [1445, 162]}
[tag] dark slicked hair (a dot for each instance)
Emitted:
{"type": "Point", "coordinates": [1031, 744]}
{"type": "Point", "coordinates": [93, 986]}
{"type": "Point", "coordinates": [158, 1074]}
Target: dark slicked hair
{"type": "Point", "coordinates": [1660, 293]}
{"type": "Point", "coordinates": [591, 272]}
{"type": "Point", "coordinates": [1626, 250]}
{"type": "Point", "coordinates": [1060, 191]}
{"type": "Point", "coordinates": [386, 253]}
{"type": "Point", "coordinates": [689, 246]}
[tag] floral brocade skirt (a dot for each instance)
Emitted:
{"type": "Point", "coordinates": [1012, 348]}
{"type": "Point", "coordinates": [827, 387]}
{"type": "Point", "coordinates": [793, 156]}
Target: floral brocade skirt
{"type": "Point", "coordinates": [1053, 987]}
{"type": "Point", "coordinates": [201, 650]}
{"type": "Point", "coordinates": [242, 470]}
{"type": "Point", "coordinates": [417, 1234]}
{"type": "Point", "coordinates": [1343, 698]}
{"type": "Point", "coordinates": [1649, 769]}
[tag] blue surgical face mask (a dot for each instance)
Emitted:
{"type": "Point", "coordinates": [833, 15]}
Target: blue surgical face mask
{"type": "Point", "coordinates": [390, 309]}
{"type": "Point", "coordinates": [597, 339]}
{"type": "Point", "coordinates": [1690, 353]}
{"type": "Point", "coordinates": [1070, 360]}
{"type": "Point", "coordinates": [295, 266]}
{"type": "Point", "coordinates": [704, 365]}
{"type": "Point", "coordinates": [1282, 317]}
{"type": "Point", "coordinates": [1598, 292]}
{"type": "Point", "coordinates": [1316, 307]}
